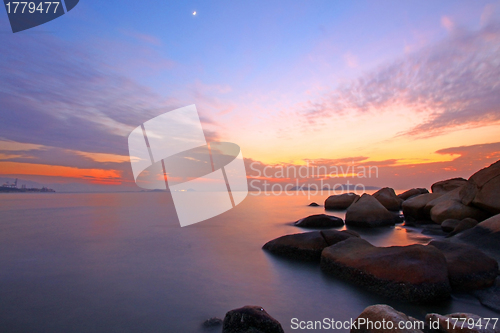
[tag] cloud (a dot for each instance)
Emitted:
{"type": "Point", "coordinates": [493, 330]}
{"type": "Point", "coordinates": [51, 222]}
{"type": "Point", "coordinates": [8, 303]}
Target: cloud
{"type": "Point", "coordinates": [452, 84]}
{"type": "Point", "coordinates": [447, 23]}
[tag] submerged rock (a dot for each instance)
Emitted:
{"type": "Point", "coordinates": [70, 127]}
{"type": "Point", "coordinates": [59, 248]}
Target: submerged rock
{"type": "Point", "coordinates": [306, 246]}
{"type": "Point", "coordinates": [368, 212]}
{"type": "Point", "coordinates": [388, 198]}
{"type": "Point", "coordinates": [414, 273]}
{"type": "Point", "coordinates": [382, 313]}
{"type": "Point", "coordinates": [212, 323]}
{"type": "Point", "coordinates": [250, 319]}
{"type": "Point", "coordinates": [468, 267]}
{"type": "Point", "coordinates": [411, 193]}
{"type": "Point", "coordinates": [320, 221]}
{"type": "Point", "coordinates": [483, 189]}
{"type": "Point", "coordinates": [313, 204]}
{"type": "Point", "coordinates": [340, 201]}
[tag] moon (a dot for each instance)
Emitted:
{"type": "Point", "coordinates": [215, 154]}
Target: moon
{"type": "Point", "coordinates": [194, 13]}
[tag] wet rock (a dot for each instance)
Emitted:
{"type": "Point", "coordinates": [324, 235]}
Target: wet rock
{"type": "Point", "coordinates": [212, 323]}
{"type": "Point", "coordinates": [411, 193]}
{"type": "Point", "coordinates": [414, 208]}
{"type": "Point", "coordinates": [446, 323]}
{"type": "Point", "coordinates": [313, 204]}
{"type": "Point", "coordinates": [306, 246]}
{"type": "Point", "coordinates": [320, 221]}
{"type": "Point", "coordinates": [448, 185]}
{"type": "Point", "coordinates": [414, 273]}
{"type": "Point", "coordinates": [383, 313]}
{"type": "Point", "coordinates": [250, 319]}
{"type": "Point", "coordinates": [368, 212]}
{"type": "Point", "coordinates": [340, 201]}
{"type": "Point", "coordinates": [483, 189]}
{"type": "Point", "coordinates": [468, 267]}
{"type": "Point", "coordinates": [465, 224]}
{"type": "Point", "coordinates": [449, 225]}
{"type": "Point", "coordinates": [388, 198]}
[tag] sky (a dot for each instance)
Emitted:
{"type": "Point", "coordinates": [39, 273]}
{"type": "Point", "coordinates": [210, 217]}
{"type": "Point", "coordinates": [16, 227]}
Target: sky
{"type": "Point", "coordinates": [411, 87]}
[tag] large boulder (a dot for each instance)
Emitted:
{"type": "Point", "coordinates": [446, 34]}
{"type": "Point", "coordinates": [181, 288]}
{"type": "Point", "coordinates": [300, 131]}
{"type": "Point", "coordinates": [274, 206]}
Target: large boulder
{"type": "Point", "coordinates": [485, 236]}
{"type": "Point", "coordinates": [340, 201]}
{"type": "Point", "coordinates": [250, 319]}
{"type": "Point", "coordinates": [411, 193]}
{"type": "Point", "coordinates": [368, 212]}
{"type": "Point", "coordinates": [388, 198]}
{"type": "Point", "coordinates": [465, 224]}
{"type": "Point", "coordinates": [450, 195]}
{"type": "Point", "coordinates": [461, 323]}
{"type": "Point", "coordinates": [320, 221]}
{"type": "Point", "coordinates": [448, 185]}
{"type": "Point", "coordinates": [453, 209]}
{"type": "Point", "coordinates": [468, 267]}
{"type": "Point", "coordinates": [306, 246]}
{"type": "Point", "coordinates": [483, 189]}
{"type": "Point", "coordinates": [414, 273]}
{"type": "Point", "coordinates": [414, 208]}
{"type": "Point", "coordinates": [388, 318]}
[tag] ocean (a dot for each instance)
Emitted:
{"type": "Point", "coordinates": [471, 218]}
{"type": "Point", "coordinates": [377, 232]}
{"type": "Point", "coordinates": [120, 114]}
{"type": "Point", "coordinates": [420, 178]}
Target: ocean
{"type": "Point", "coordinates": [120, 262]}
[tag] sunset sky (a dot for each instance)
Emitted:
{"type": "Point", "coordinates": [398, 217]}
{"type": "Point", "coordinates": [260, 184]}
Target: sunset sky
{"type": "Point", "coordinates": [412, 87]}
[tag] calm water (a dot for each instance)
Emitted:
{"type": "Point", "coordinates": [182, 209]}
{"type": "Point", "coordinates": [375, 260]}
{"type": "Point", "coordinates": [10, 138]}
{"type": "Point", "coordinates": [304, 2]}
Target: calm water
{"type": "Point", "coordinates": [121, 263]}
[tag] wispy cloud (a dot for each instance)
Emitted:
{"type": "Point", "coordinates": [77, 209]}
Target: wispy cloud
{"type": "Point", "coordinates": [453, 83]}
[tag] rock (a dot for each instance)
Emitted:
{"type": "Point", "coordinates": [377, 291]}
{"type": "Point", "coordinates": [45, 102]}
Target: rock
{"type": "Point", "coordinates": [483, 189]}
{"type": "Point", "coordinates": [433, 230]}
{"type": "Point", "coordinates": [413, 208]}
{"type": "Point", "coordinates": [485, 236]}
{"type": "Point", "coordinates": [465, 224]}
{"type": "Point", "coordinates": [449, 225]}
{"type": "Point", "coordinates": [451, 195]}
{"type": "Point", "coordinates": [333, 237]}
{"type": "Point", "coordinates": [250, 319]}
{"type": "Point", "coordinates": [212, 323]}
{"type": "Point", "coordinates": [340, 201]}
{"type": "Point", "coordinates": [368, 212]}
{"type": "Point", "coordinates": [448, 323]}
{"type": "Point", "coordinates": [306, 246]}
{"type": "Point", "coordinates": [313, 204]}
{"type": "Point", "coordinates": [468, 267]}
{"type": "Point", "coordinates": [387, 197]}
{"type": "Point", "coordinates": [382, 313]}
{"type": "Point", "coordinates": [320, 221]}
{"type": "Point", "coordinates": [414, 273]}
{"type": "Point", "coordinates": [452, 209]}
{"type": "Point", "coordinates": [490, 297]}
{"type": "Point", "coordinates": [411, 193]}
{"type": "Point", "coordinates": [447, 185]}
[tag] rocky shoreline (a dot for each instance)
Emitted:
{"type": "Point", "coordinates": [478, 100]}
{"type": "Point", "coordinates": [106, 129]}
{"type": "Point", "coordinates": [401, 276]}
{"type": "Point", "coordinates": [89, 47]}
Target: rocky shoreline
{"type": "Point", "coordinates": [466, 211]}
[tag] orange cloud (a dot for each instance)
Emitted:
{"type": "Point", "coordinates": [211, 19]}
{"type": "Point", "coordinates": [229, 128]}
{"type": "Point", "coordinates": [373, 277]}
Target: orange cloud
{"type": "Point", "coordinates": [95, 175]}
